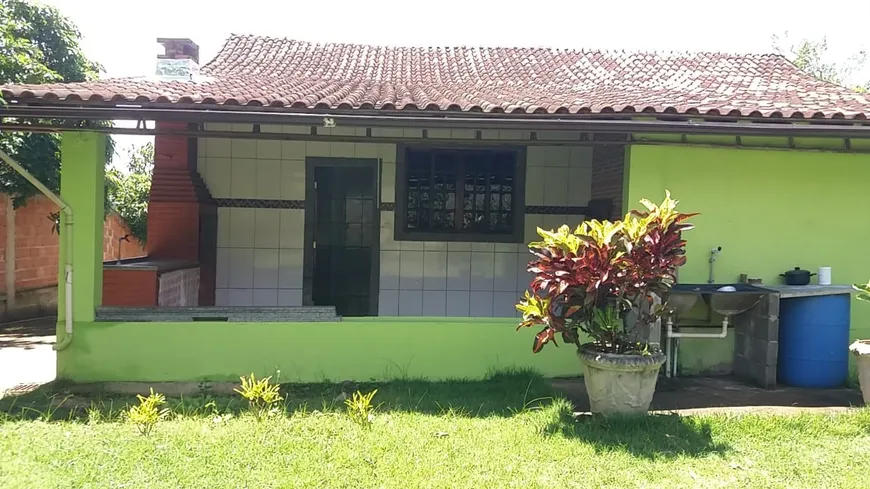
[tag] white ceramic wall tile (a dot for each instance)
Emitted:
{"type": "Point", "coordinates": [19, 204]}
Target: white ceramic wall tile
{"type": "Point", "coordinates": [242, 227]}
{"type": "Point", "coordinates": [292, 150]}
{"type": "Point", "coordinates": [480, 304]}
{"type": "Point", "coordinates": [389, 278]}
{"type": "Point", "coordinates": [219, 180]}
{"type": "Point", "coordinates": [366, 150]}
{"type": "Point", "coordinates": [387, 132]}
{"type": "Point", "coordinates": [530, 233]}
{"type": "Point", "coordinates": [387, 241]}
{"type": "Point", "coordinates": [508, 247]}
{"type": "Point", "coordinates": [504, 304]}
{"type": "Point", "coordinates": [534, 156]}
{"type": "Point", "coordinates": [463, 133]}
{"type": "Point", "coordinates": [269, 149]}
{"type": "Point", "coordinates": [267, 228]}
{"type": "Point", "coordinates": [459, 270]}
{"type": "Point", "coordinates": [388, 182]}
{"type": "Point", "coordinates": [505, 272]}
{"type": "Point", "coordinates": [438, 133]}
{"type": "Point", "coordinates": [240, 297]}
{"type": "Point", "coordinates": [296, 129]}
{"type": "Point", "coordinates": [202, 165]}
{"type": "Point", "coordinates": [483, 247]}
{"type": "Point", "coordinates": [293, 179]}
{"type": "Point", "coordinates": [221, 297]}
{"type": "Point", "coordinates": [289, 297]}
{"type": "Point", "coordinates": [410, 270]}
{"type": "Point", "coordinates": [244, 175]}
{"type": "Point", "coordinates": [317, 148]}
{"type": "Point", "coordinates": [581, 155]}
{"type": "Point", "coordinates": [411, 245]}
{"type": "Point", "coordinates": [218, 126]}
{"type": "Point", "coordinates": [271, 128]}
{"type": "Point", "coordinates": [482, 265]}
{"type": "Point", "coordinates": [243, 127]}
{"type": "Point", "coordinates": [290, 271]}
{"type": "Point", "coordinates": [458, 303]}
{"type": "Point", "coordinates": [222, 268]}
{"type": "Point", "coordinates": [535, 186]}
{"type": "Point", "coordinates": [223, 233]}
{"type": "Point", "coordinates": [388, 303]}
{"type": "Point", "coordinates": [241, 268]}
{"type": "Point", "coordinates": [556, 186]}
{"type": "Point", "coordinates": [489, 134]}
{"type": "Point", "coordinates": [267, 263]}
{"type": "Point", "coordinates": [435, 246]}
{"type": "Point", "coordinates": [269, 179]}
{"type": "Point", "coordinates": [266, 297]}
{"type": "Point", "coordinates": [523, 277]}
{"type": "Point", "coordinates": [291, 228]}
{"type": "Point", "coordinates": [388, 153]}
{"type": "Point", "coordinates": [458, 246]}
{"type": "Point", "coordinates": [579, 185]}
{"type": "Point", "coordinates": [557, 156]}
{"type": "Point", "coordinates": [412, 133]}
{"type": "Point", "coordinates": [434, 303]}
{"type": "Point", "coordinates": [513, 135]}
{"type": "Point", "coordinates": [244, 148]}
{"type": "Point", "coordinates": [410, 302]}
{"type": "Point", "coordinates": [218, 147]}
{"type": "Point", "coordinates": [341, 150]}
{"type": "Point", "coordinates": [434, 270]}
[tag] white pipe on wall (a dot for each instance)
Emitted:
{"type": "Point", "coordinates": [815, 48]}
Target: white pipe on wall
{"type": "Point", "coordinates": [721, 334]}
{"type": "Point", "coordinates": [66, 235]}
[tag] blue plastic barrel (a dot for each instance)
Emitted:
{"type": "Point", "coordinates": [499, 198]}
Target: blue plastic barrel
{"type": "Point", "coordinates": [814, 341]}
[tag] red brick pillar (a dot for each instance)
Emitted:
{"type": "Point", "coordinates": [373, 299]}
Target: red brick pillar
{"type": "Point", "coordinates": [180, 208]}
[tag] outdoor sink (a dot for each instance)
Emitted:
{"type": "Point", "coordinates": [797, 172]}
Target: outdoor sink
{"type": "Point", "coordinates": [736, 299]}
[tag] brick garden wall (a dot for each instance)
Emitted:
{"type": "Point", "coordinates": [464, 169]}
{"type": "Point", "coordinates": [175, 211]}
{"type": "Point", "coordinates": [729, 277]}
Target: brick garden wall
{"type": "Point", "coordinates": [37, 249]}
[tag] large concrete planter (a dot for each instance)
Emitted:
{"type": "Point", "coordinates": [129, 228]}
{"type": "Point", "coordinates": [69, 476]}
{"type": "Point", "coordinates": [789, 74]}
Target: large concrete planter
{"type": "Point", "coordinates": [861, 349]}
{"type": "Point", "coordinates": [620, 383]}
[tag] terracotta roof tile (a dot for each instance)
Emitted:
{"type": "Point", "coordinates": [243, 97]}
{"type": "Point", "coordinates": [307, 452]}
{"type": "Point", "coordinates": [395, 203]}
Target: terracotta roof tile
{"type": "Point", "coordinates": [264, 71]}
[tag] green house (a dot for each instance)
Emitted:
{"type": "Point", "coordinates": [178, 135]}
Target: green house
{"type": "Point", "coordinates": [341, 211]}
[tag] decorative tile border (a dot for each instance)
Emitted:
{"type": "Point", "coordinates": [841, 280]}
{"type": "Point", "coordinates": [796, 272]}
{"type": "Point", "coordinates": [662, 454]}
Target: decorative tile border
{"type": "Point", "coordinates": [261, 203]}
{"type": "Point", "coordinates": [557, 209]}
{"type": "Point", "coordinates": [387, 206]}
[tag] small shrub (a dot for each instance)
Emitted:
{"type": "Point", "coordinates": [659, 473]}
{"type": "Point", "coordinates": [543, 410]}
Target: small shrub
{"type": "Point", "coordinates": [360, 408]}
{"type": "Point", "coordinates": [262, 395]}
{"type": "Point", "coordinates": [148, 412]}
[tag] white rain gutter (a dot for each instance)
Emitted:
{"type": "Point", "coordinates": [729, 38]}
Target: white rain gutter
{"type": "Point", "coordinates": [67, 235]}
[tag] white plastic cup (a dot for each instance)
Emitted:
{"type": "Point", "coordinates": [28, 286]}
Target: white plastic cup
{"type": "Point", "coordinates": [824, 275]}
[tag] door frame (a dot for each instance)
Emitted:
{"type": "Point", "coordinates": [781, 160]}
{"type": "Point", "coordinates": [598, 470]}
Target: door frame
{"type": "Point", "coordinates": [311, 163]}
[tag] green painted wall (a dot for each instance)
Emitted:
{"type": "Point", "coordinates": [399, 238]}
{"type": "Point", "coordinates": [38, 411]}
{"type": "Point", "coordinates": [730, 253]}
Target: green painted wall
{"type": "Point", "coordinates": [770, 210]}
{"type": "Point", "coordinates": [353, 349]}
{"type": "Point", "coordinates": [83, 189]}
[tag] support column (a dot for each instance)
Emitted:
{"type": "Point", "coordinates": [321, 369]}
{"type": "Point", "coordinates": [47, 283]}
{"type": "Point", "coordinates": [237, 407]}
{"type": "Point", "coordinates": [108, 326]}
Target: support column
{"type": "Point", "coordinates": [82, 187]}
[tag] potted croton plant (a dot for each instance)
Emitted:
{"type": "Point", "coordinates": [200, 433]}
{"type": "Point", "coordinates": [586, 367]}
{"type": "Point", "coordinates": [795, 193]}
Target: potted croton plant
{"type": "Point", "coordinates": [861, 349]}
{"type": "Point", "coordinates": [600, 281]}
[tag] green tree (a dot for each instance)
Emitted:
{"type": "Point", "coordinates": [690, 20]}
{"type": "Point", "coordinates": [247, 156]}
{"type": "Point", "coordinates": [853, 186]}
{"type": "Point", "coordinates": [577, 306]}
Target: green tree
{"type": "Point", "coordinates": [38, 45]}
{"type": "Point", "coordinates": [128, 191]}
{"type": "Point", "coordinates": [811, 56]}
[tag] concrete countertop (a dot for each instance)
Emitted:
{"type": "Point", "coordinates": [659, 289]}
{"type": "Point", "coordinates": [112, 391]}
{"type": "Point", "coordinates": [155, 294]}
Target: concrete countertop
{"type": "Point", "coordinates": [217, 314]}
{"type": "Point", "coordinates": [145, 263]}
{"type": "Point", "coordinates": [792, 291]}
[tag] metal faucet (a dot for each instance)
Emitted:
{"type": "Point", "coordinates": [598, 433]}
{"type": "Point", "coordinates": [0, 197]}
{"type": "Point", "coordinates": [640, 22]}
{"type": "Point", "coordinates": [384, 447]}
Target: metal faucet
{"type": "Point", "coordinates": [126, 238]}
{"type": "Point", "coordinates": [714, 254]}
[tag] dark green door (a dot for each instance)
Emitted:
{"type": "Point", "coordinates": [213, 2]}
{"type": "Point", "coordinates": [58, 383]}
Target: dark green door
{"type": "Point", "coordinates": [345, 236]}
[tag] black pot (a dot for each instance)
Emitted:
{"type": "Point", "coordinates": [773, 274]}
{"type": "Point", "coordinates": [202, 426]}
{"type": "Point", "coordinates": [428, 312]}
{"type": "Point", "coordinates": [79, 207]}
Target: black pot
{"type": "Point", "coordinates": [797, 276]}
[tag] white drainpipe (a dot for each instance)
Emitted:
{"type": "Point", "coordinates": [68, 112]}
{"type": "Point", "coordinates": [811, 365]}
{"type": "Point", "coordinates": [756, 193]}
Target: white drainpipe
{"type": "Point", "coordinates": [67, 235]}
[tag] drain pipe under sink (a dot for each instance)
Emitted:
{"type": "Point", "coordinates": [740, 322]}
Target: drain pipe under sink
{"type": "Point", "coordinates": [723, 333]}
{"type": "Point", "coordinates": [67, 235]}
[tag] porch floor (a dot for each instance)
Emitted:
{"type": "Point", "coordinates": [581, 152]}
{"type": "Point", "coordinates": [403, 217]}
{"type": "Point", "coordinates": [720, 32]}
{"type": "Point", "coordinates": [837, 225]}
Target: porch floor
{"type": "Point", "coordinates": [695, 395]}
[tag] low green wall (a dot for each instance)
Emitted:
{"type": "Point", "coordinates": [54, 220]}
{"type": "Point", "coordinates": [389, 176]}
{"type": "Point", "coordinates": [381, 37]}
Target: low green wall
{"type": "Point", "coordinates": [357, 349]}
{"type": "Point", "coordinates": [769, 210]}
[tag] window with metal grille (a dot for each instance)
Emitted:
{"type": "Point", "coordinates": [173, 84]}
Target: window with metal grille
{"type": "Point", "coordinates": [447, 194]}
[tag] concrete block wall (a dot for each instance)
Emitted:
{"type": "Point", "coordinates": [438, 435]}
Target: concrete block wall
{"type": "Point", "coordinates": [260, 250]}
{"type": "Point", "coordinates": [756, 342]}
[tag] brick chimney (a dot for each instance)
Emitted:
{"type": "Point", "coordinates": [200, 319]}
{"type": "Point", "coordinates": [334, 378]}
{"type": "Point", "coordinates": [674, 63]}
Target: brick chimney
{"type": "Point", "coordinates": [182, 217]}
{"type": "Point", "coordinates": [180, 59]}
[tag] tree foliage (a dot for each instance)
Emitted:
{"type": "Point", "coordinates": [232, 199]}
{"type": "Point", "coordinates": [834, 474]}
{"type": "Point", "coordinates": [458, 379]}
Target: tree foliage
{"type": "Point", "coordinates": [38, 45]}
{"type": "Point", "coordinates": [811, 56]}
{"type": "Point", "coordinates": [127, 192]}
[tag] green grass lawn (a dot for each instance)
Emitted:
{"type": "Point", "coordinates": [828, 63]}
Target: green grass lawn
{"type": "Point", "coordinates": [510, 431]}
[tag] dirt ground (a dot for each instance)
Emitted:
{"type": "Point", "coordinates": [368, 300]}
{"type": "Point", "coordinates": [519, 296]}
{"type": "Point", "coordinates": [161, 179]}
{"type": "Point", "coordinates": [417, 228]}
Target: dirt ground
{"type": "Point", "coordinates": [26, 357]}
{"type": "Point", "coordinates": [695, 395]}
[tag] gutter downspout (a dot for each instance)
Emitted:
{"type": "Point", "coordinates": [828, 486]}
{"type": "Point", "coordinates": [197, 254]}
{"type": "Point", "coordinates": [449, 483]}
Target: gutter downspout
{"type": "Point", "coordinates": [67, 235]}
